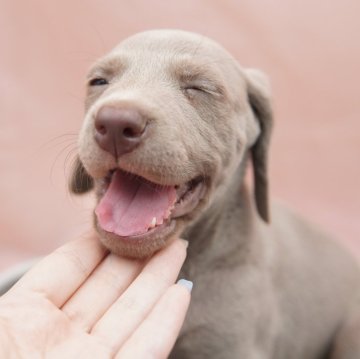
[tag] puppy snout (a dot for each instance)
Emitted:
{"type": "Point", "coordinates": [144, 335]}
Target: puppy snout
{"type": "Point", "coordinates": [119, 130]}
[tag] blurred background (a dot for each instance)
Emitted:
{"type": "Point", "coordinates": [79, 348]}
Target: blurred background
{"type": "Point", "coordinates": [309, 49]}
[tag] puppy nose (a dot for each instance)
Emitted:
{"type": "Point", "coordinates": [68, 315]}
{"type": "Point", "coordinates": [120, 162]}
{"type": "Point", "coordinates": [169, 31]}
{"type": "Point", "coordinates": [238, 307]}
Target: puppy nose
{"type": "Point", "coordinates": [119, 130]}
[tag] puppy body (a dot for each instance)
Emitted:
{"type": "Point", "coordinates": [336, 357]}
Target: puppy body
{"type": "Point", "coordinates": [278, 290]}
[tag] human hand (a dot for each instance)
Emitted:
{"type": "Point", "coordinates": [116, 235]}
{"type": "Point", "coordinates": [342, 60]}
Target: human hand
{"type": "Point", "coordinates": [82, 302]}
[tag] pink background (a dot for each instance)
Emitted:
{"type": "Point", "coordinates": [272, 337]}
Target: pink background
{"type": "Point", "coordinates": [310, 50]}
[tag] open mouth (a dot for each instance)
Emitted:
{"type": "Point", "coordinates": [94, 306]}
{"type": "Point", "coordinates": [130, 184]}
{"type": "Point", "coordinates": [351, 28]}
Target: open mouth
{"type": "Point", "coordinates": [132, 207]}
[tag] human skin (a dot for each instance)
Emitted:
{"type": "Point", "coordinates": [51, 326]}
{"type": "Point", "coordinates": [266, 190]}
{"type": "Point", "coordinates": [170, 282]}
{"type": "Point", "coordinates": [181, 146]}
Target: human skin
{"type": "Point", "coordinates": [82, 301]}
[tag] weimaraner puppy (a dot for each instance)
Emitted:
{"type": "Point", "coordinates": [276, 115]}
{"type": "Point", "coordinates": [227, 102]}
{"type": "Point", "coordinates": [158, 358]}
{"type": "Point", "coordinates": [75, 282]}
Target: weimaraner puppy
{"type": "Point", "coordinates": [172, 122]}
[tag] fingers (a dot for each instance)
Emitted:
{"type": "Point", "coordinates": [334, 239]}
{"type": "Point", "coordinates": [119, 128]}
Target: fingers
{"type": "Point", "coordinates": [61, 273]}
{"type": "Point", "coordinates": [100, 291]}
{"type": "Point", "coordinates": [156, 336]}
{"type": "Point", "coordinates": [126, 314]}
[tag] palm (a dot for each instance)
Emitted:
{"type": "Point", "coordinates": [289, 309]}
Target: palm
{"type": "Point", "coordinates": [84, 302]}
{"type": "Point", "coordinates": [38, 326]}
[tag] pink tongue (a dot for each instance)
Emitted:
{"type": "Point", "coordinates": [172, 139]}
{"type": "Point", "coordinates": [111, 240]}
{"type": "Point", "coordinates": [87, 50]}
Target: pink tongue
{"type": "Point", "coordinates": [130, 204]}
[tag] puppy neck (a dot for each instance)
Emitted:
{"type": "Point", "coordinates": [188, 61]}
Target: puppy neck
{"type": "Point", "coordinates": [226, 229]}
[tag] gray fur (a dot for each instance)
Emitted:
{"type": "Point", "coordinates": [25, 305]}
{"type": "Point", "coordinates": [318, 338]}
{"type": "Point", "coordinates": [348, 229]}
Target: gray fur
{"type": "Point", "coordinates": [280, 290]}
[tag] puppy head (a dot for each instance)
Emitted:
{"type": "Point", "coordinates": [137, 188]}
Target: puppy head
{"type": "Point", "coordinates": [169, 117]}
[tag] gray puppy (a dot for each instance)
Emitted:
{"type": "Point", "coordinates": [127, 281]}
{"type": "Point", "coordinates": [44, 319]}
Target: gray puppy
{"type": "Point", "coordinates": [171, 123]}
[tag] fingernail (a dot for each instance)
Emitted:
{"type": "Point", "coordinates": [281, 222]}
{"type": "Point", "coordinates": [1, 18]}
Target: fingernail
{"type": "Point", "coordinates": [186, 283]}
{"type": "Point", "coordinates": [185, 242]}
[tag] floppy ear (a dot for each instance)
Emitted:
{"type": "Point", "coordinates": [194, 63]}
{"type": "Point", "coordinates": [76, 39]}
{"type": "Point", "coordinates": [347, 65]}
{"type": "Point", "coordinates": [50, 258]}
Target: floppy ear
{"type": "Point", "coordinates": [80, 182]}
{"type": "Point", "coordinates": [259, 98]}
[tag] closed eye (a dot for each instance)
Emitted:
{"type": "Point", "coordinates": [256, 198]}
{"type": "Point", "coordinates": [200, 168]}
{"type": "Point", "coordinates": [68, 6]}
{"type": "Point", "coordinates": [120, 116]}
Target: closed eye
{"type": "Point", "coordinates": [194, 88]}
{"type": "Point", "coordinates": [98, 81]}
{"type": "Point", "coordinates": [203, 88]}
{"type": "Point", "coordinates": [195, 80]}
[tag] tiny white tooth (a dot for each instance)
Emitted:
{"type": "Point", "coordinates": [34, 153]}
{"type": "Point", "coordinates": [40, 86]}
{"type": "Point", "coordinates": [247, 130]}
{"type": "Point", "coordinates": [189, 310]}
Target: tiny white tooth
{"type": "Point", "coordinates": [168, 211]}
{"type": "Point", "coordinates": [153, 223]}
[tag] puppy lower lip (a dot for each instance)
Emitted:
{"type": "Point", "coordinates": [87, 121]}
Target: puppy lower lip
{"type": "Point", "coordinates": [162, 231]}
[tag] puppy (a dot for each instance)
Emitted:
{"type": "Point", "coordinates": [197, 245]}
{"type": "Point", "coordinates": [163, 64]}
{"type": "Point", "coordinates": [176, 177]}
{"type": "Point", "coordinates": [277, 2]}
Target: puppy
{"type": "Point", "coordinates": [171, 123]}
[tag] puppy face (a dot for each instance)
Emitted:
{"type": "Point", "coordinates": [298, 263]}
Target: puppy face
{"type": "Point", "coordinates": [168, 120]}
